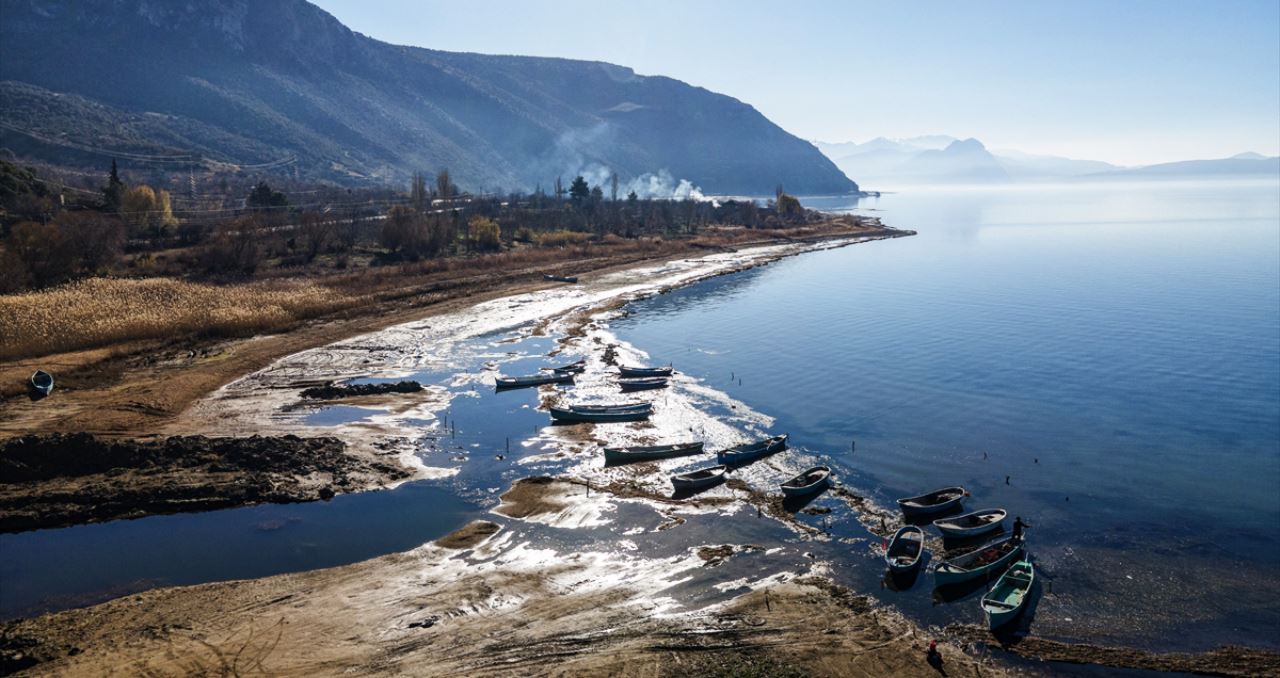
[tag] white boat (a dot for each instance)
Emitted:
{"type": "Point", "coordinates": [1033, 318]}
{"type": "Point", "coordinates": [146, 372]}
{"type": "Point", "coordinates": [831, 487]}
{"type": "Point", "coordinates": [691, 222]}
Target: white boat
{"type": "Point", "coordinates": [1007, 598]}
{"type": "Point", "coordinates": [971, 524]}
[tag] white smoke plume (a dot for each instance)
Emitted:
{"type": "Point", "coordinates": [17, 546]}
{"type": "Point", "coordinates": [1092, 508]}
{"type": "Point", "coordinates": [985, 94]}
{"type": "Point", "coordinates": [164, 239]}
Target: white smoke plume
{"type": "Point", "coordinates": [573, 154]}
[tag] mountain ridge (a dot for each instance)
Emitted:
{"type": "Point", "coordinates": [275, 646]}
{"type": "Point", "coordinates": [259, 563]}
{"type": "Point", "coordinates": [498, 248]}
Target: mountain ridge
{"type": "Point", "coordinates": [290, 80]}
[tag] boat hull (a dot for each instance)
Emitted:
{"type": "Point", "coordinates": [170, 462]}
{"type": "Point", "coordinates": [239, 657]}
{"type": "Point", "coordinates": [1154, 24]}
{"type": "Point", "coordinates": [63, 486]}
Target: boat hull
{"type": "Point", "coordinates": [795, 491]}
{"type": "Point", "coordinates": [898, 544]}
{"type": "Point", "coordinates": [684, 484]}
{"type": "Point", "coordinates": [944, 576]}
{"type": "Point", "coordinates": [42, 382]}
{"type": "Point", "coordinates": [642, 372]}
{"type": "Point", "coordinates": [504, 383]}
{"type": "Point", "coordinates": [599, 416]}
{"type": "Point", "coordinates": [968, 532]}
{"type": "Point", "coordinates": [1009, 596]}
{"type": "Point", "coordinates": [747, 453]}
{"type": "Point", "coordinates": [619, 455]}
{"type": "Point", "coordinates": [643, 384]}
{"type": "Point", "coordinates": [913, 509]}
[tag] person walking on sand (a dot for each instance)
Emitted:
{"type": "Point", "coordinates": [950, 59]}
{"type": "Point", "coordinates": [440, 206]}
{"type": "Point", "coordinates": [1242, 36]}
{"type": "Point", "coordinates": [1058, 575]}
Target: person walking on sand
{"type": "Point", "coordinates": [1018, 527]}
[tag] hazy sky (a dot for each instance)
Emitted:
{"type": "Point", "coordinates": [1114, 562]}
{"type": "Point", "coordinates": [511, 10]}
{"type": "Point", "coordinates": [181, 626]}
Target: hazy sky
{"type": "Point", "coordinates": [1131, 82]}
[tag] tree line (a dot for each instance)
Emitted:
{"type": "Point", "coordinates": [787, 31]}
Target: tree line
{"type": "Point", "coordinates": [48, 236]}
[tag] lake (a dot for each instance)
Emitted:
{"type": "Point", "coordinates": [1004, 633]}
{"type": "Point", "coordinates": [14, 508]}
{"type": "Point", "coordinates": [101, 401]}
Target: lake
{"type": "Point", "coordinates": [1102, 360]}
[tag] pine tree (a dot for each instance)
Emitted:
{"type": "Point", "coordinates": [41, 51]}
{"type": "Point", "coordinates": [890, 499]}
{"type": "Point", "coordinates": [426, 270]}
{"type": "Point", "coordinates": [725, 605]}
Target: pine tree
{"type": "Point", "coordinates": [113, 192]}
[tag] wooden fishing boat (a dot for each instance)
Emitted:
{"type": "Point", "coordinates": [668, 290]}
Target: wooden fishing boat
{"type": "Point", "coordinates": [560, 278]}
{"type": "Point", "coordinates": [611, 408]}
{"type": "Point", "coordinates": [643, 384]}
{"type": "Point", "coordinates": [42, 382]}
{"type": "Point", "coordinates": [601, 414]}
{"type": "Point", "coordinates": [575, 367]}
{"type": "Point", "coordinates": [980, 562]}
{"type": "Point", "coordinates": [937, 501]}
{"type": "Point", "coordinates": [741, 454]}
{"type": "Point", "coordinates": [623, 455]}
{"type": "Point", "coordinates": [699, 479]}
{"type": "Point", "coordinates": [637, 372]}
{"type": "Point", "coordinates": [535, 380]}
{"type": "Point", "coordinates": [1004, 601]}
{"type": "Point", "coordinates": [905, 549]}
{"type": "Point", "coordinates": [971, 524]}
{"type": "Point", "coordinates": [813, 480]}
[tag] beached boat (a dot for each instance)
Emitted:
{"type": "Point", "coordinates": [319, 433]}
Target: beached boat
{"type": "Point", "coordinates": [971, 524]}
{"type": "Point", "coordinates": [611, 408]}
{"type": "Point", "coordinates": [601, 414]}
{"type": "Point", "coordinates": [560, 278]}
{"type": "Point", "coordinates": [741, 454]}
{"type": "Point", "coordinates": [637, 372]}
{"type": "Point", "coordinates": [643, 384]}
{"type": "Point", "coordinates": [696, 480]}
{"type": "Point", "coordinates": [623, 455]}
{"type": "Point", "coordinates": [980, 562]}
{"type": "Point", "coordinates": [42, 382]}
{"type": "Point", "coordinates": [904, 550]}
{"type": "Point", "coordinates": [813, 480]}
{"type": "Point", "coordinates": [535, 380]}
{"type": "Point", "coordinates": [937, 501]}
{"type": "Point", "coordinates": [1004, 601]}
{"type": "Point", "coordinates": [574, 367]}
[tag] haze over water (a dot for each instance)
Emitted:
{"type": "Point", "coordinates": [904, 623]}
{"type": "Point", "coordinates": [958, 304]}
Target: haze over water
{"type": "Point", "coordinates": [1113, 349]}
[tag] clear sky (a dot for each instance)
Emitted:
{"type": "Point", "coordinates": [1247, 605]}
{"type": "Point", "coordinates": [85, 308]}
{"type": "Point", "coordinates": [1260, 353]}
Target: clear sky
{"type": "Point", "coordinates": [1127, 81]}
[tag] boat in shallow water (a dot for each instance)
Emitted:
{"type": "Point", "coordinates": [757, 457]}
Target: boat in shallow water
{"type": "Point", "coordinates": [535, 380]}
{"type": "Point", "coordinates": [813, 480]}
{"type": "Point", "coordinates": [602, 413]}
{"type": "Point", "coordinates": [640, 372]}
{"type": "Point", "coordinates": [971, 524]}
{"type": "Point", "coordinates": [980, 562]}
{"type": "Point", "coordinates": [623, 455]}
{"type": "Point", "coordinates": [699, 479]}
{"type": "Point", "coordinates": [1007, 598]}
{"type": "Point", "coordinates": [42, 382]}
{"type": "Point", "coordinates": [937, 501]}
{"type": "Point", "coordinates": [643, 384]}
{"type": "Point", "coordinates": [741, 454]}
{"type": "Point", "coordinates": [905, 549]}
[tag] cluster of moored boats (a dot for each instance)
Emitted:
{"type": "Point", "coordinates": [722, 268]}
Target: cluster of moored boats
{"type": "Point", "coordinates": [1005, 556]}
{"type": "Point", "coordinates": [903, 553]}
{"type": "Point", "coordinates": [811, 481]}
{"type": "Point", "coordinates": [629, 379]}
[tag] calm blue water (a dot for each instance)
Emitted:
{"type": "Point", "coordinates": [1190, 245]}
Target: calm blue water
{"type": "Point", "coordinates": [1113, 350]}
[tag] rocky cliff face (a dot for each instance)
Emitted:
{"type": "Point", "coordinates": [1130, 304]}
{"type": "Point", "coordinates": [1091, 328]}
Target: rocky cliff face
{"type": "Point", "coordinates": [249, 82]}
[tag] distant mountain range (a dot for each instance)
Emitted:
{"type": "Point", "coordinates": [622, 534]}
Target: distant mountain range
{"type": "Point", "coordinates": [282, 84]}
{"type": "Point", "coordinates": [939, 159]}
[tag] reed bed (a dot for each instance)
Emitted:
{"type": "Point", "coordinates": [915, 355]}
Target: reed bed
{"type": "Point", "coordinates": [100, 311]}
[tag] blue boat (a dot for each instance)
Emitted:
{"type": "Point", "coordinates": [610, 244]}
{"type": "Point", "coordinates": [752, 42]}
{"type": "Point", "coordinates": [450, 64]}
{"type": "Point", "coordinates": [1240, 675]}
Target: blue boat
{"type": "Point", "coordinates": [602, 413]}
{"type": "Point", "coordinates": [640, 372]}
{"type": "Point", "coordinates": [741, 454]}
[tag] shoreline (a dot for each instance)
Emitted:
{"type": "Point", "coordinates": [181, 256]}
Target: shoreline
{"type": "Point", "coordinates": [651, 647]}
